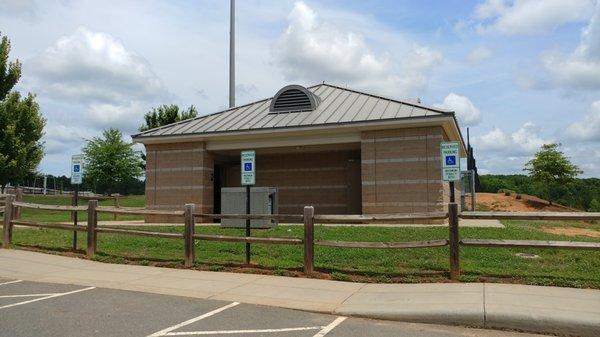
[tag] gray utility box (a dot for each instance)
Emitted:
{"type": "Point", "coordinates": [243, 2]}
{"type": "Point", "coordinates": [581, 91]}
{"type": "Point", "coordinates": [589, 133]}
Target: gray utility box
{"type": "Point", "coordinates": [263, 200]}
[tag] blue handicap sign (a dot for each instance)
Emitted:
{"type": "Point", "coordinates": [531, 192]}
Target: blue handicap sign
{"type": "Point", "coordinates": [450, 160]}
{"type": "Point", "coordinates": [248, 167]}
{"type": "Point", "coordinates": [76, 168]}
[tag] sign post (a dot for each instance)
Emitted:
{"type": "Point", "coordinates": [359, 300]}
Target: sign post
{"type": "Point", "coordinates": [248, 178]}
{"type": "Point", "coordinates": [76, 179]}
{"type": "Point", "coordinates": [450, 152]}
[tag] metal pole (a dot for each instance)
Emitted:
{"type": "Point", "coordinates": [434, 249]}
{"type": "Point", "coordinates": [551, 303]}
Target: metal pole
{"type": "Point", "coordinates": [75, 202]}
{"type": "Point", "coordinates": [473, 192]}
{"type": "Point", "coordinates": [451, 191]}
{"type": "Point", "coordinates": [232, 54]}
{"type": "Point", "coordinates": [247, 223]}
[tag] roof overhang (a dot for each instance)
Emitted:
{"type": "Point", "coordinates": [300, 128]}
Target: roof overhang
{"type": "Point", "coordinates": [307, 135]}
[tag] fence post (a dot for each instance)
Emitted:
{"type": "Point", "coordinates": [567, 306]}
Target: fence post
{"type": "Point", "coordinates": [115, 217]}
{"type": "Point", "coordinates": [309, 236]}
{"type": "Point", "coordinates": [19, 198]}
{"type": "Point", "coordinates": [453, 241]}
{"type": "Point", "coordinates": [188, 236]}
{"type": "Point", "coordinates": [92, 223]}
{"type": "Point", "coordinates": [7, 229]}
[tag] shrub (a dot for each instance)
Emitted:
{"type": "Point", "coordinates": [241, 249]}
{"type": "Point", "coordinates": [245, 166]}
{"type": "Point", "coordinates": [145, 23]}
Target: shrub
{"type": "Point", "coordinates": [506, 191]}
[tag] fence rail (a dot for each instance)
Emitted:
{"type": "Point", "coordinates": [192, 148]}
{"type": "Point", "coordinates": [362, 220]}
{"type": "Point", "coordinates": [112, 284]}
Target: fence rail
{"type": "Point", "coordinates": [49, 207]}
{"type": "Point", "coordinates": [531, 244]}
{"type": "Point", "coordinates": [389, 218]}
{"type": "Point", "coordinates": [532, 215]}
{"type": "Point", "coordinates": [308, 218]}
{"type": "Point", "coordinates": [382, 245]}
{"type": "Point", "coordinates": [136, 211]}
{"type": "Point", "coordinates": [290, 218]}
{"type": "Point", "coordinates": [248, 239]}
{"type": "Point", "coordinates": [48, 225]}
{"type": "Point", "coordinates": [134, 232]}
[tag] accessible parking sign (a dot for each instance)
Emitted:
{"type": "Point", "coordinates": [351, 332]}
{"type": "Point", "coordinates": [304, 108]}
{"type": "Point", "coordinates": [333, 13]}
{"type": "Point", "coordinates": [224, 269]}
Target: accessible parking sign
{"type": "Point", "coordinates": [450, 152]}
{"type": "Point", "coordinates": [248, 168]}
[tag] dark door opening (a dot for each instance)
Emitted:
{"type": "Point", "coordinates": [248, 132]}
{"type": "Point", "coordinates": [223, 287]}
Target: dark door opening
{"type": "Point", "coordinates": [218, 183]}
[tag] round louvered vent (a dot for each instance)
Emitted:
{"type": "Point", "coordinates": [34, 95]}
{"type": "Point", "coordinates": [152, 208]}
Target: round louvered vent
{"type": "Point", "coordinates": [293, 98]}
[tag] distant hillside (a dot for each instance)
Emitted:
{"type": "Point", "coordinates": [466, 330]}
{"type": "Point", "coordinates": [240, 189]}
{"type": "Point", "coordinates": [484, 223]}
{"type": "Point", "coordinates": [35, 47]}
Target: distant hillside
{"type": "Point", "coordinates": [582, 194]}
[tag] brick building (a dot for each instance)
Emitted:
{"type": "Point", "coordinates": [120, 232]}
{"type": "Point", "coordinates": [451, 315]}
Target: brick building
{"type": "Point", "coordinates": [340, 150]}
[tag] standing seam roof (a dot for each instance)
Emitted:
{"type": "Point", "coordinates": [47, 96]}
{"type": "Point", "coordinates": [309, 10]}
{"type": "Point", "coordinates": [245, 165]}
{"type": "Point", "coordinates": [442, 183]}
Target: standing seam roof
{"type": "Point", "coordinates": [338, 105]}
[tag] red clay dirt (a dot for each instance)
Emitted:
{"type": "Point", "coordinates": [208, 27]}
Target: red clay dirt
{"type": "Point", "coordinates": [528, 203]}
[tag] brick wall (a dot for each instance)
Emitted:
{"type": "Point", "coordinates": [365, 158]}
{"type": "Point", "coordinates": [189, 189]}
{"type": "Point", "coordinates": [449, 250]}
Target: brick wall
{"type": "Point", "coordinates": [177, 174]}
{"type": "Point", "coordinates": [401, 170]}
{"type": "Point", "coordinates": [329, 181]}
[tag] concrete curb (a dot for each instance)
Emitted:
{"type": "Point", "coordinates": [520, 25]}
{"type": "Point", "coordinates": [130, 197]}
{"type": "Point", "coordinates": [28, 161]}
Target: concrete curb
{"type": "Point", "coordinates": [562, 311]}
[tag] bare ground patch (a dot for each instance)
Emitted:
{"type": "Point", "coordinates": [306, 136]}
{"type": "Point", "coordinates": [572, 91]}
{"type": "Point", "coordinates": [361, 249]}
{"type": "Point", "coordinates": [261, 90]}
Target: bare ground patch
{"type": "Point", "coordinates": [571, 231]}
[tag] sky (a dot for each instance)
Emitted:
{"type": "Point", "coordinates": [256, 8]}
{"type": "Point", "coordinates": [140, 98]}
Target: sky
{"type": "Point", "coordinates": [518, 73]}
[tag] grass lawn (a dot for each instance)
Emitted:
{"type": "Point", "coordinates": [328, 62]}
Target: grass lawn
{"type": "Point", "coordinates": [553, 267]}
{"type": "Point", "coordinates": [58, 216]}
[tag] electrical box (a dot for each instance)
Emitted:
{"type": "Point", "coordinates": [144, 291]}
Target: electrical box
{"type": "Point", "coordinates": [263, 200]}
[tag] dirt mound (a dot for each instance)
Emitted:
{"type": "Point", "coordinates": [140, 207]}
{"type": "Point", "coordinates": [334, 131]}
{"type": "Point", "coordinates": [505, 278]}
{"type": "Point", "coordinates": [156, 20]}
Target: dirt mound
{"type": "Point", "coordinates": [572, 231]}
{"type": "Point", "coordinates": [528, 203]}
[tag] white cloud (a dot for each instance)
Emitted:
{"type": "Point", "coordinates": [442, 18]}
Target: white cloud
{"type": "Point", "coordinates": [521, 143]}
{"type": "Point", "coordinates": [495, 140]}
{"type": "Point", "coordinates": [89, 81]}
{"type": "Point", "coordinates": [314, 51]}
{"type": "Point", "coordinates": [501, 152]}
{"type": "Point", "coordinates": [59, 137]}
{"type": "Point", "coordinates": [125, 116]}
{"type": "Point", "coordinates": [108, 84]}
{"type": "Point", "coordinates": [466, 112]}
{"type": "Point", "coordinates": [588, 128]}
{"type": "Point", "coordinates": [94, 67]}
{"type": "Point", "coordinates": [478, 55]}
{"type": "Point", "coordinates": [529, 16]}
{"type": "Point", "coordinates": [581, 68]}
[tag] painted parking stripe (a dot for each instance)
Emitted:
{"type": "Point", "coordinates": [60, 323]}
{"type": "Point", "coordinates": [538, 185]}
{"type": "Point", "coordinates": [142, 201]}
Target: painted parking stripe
{"type": "Point", "coordinates": [10, 282]}
{"type": "Point", "coordinates": [330, 327]}
{"type": "Point", "coordinates": [230, 332]}
{"type": "Point", "coordinates": [190, 321]}
{"type": "Point", "coordinates": [27, 295]}
{"type": "Point", "coordinates": [46, 297]}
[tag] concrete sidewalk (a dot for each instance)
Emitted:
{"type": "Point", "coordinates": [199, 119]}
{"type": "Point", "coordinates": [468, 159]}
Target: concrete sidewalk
{"type": "Point", "coordinates": [554, 310]}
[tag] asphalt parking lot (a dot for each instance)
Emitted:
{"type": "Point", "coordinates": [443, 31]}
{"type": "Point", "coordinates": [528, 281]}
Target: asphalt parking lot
{"type": "Point", "coordinates": [59, 310]}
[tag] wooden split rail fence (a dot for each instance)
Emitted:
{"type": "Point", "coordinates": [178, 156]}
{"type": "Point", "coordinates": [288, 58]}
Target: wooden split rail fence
{"type": "Point", "coordinates": [189, 236]}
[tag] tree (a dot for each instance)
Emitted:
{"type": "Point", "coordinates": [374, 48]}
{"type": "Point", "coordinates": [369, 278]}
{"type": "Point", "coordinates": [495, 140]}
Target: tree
{"type": "Point", "coordinates": [594, 205]}
{"type": "Point", "coordinates": [22, 128]}
{"type": "Point", "coordinates": [110, 162]}
{"type": "Point", "coordinates": [9, 72]}
{"type": "Point", "coordinates": [551, 169]}
{"type": "Point", "coordinates": [166, 114]}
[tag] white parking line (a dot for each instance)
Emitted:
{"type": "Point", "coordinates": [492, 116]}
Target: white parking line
{"type": "Point", "coordinates": [46, 297]}
{"type": "Point", "coordinates": [230, 332]}
{"type": "Point", "coordinates": [190, 321]}
{"type": "Point", "coordinates": [10, 282]}
{"type": "Point", "coordinates": [330, 327]}
{"type": "Point", "coordinates": [27, 295]}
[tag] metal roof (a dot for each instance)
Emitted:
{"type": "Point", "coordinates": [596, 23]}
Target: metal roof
{"type": "Point", "coordinates": [337, 106]}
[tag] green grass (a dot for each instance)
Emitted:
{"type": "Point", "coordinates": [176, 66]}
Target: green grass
{"type": "Point", "coordinates": [59, 216]}
{"type": "Point", "coordinates": [554, 267]}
